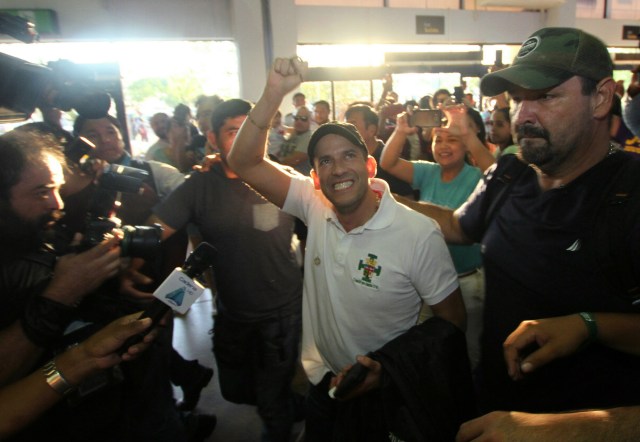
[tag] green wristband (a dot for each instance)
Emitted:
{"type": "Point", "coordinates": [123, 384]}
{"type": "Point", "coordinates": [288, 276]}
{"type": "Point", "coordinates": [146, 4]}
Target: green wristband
{"type": "Point", "coordinates": [592, 327]}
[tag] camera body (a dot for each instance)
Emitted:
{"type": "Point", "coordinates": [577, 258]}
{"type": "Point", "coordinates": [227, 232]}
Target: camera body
{"type": "Point", "coordinates": [426, 118]}
{"type": "Point", "coordinates": [137, 241]}
{"type": "Point", "coordinates": [62, 84]}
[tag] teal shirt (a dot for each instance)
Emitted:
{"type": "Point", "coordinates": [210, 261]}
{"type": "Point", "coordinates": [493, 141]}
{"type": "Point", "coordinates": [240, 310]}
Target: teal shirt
{"type": "Point", "coordinates": [427, 179]}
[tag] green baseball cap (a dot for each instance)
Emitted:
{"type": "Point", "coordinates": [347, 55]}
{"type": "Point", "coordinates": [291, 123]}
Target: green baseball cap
{"type": "Point", "coordinates": [549, 57]}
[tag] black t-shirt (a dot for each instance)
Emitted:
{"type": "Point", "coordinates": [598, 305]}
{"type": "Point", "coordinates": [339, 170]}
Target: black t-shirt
{"type": "Point", "coordinates": [539, 262]}
{"type": "Point", "coordinates": [255, 268]}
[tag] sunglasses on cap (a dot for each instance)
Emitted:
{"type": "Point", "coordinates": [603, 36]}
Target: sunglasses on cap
{"type": "Point", "coordinates": [301, 118]}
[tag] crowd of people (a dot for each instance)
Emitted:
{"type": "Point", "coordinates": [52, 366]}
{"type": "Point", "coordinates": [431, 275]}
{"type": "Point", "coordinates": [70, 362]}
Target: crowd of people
{"type": "Point", "coordinates": [481, 275]}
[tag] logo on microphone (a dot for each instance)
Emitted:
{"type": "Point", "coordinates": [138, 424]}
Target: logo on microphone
{"type": "Point", "coordinates": [176, 297]}
{"type": "Point", "coordinates": [179, 291]}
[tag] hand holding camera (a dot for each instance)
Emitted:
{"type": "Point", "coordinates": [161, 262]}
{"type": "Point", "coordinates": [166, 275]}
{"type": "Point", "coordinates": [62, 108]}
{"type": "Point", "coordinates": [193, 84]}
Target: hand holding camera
{"type": "Point", "coordinates": [77, 275]}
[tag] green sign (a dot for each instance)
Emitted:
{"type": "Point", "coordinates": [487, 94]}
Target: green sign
{"type": "Point", "coordinates": [45, 20]}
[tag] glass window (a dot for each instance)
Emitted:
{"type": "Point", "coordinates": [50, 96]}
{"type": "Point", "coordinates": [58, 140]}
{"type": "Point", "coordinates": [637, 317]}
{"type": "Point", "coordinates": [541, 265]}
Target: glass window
{"type": "Point", "coordinates": [427, 4]}
{"type": "Point", "coordinates": [625, 9]}
{"type": "Point", "coordinates": [155, 76]}
{"type": "Point", "coordinates": [347, 92]}
{"type": "Point", "coordinates": [590, 9]}
{"type": "Point", "coordinates": [367, 3]}
{"type": "Point", "coordinates": [317, 90]}
{"type": "Point", "coordinates": [469, 5]}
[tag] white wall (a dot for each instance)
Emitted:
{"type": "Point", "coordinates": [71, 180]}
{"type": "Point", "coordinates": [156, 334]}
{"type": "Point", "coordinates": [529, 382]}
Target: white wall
{"type": "Point", "coordinates": [378, 25]}
{"type": "Point", "coordinates": [246, 19]}
{"type": "Point", "coordinates": [609, 31]}
{"type": "Point", "coordinates": [135, 19]}
{"type": "Point", "coordinates": [241, 21]}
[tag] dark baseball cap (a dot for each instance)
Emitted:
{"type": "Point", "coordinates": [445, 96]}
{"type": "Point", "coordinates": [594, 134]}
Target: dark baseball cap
{"type": "Point", "coordinates": [550, 57]}
{"type": "Point", "coordinates": [345, 130]}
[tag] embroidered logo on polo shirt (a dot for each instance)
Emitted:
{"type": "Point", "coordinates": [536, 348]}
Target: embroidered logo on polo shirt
{"type": "Point", "coordinates": [369, 270]}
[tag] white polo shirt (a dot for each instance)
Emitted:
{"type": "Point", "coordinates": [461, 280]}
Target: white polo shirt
{"type": "Point", "coordinates": [365, 287]}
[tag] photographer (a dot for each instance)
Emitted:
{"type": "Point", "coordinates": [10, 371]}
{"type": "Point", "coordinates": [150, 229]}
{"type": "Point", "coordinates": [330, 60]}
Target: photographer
{"type": "Point", "coordinates": [106, 134]}
{"type": "Point", "coordinates": [55, 302]}
{"type": "Point", "coordinates": [30, 178]}
{"type": "Point", "coordinates": [42, 291]}
{"type": "Point", "coordinates": [135, 209]}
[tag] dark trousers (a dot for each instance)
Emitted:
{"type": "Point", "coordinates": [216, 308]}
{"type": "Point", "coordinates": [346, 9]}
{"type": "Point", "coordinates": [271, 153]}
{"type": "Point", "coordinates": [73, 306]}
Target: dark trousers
{"type": "Point", "coordinates": [256, 364]}
{"type": "Point", "coordinates": [320, 412]}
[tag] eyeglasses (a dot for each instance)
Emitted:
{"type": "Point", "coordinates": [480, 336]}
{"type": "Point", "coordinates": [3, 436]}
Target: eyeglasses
{"type": "Point", "coordinates": [301, 118]}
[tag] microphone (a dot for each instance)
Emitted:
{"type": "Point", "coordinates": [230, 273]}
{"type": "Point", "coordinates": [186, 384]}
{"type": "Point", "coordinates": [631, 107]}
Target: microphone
{"type": "Point", "coordinates": [178, 291]}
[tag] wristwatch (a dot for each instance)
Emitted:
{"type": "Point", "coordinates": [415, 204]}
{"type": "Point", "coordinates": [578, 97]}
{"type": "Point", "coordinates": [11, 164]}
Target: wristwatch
{"type": "Point", "coordinates": [55, 379]}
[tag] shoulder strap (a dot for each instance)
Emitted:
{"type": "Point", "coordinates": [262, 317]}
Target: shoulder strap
{"type": "Point", "coordinates": [619, 216]}
{"type": "Point", "coordinates": [503, 180]}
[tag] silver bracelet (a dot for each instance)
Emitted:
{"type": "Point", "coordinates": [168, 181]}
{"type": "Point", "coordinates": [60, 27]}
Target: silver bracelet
{"type": "Point", "coordinates": [55, 379]}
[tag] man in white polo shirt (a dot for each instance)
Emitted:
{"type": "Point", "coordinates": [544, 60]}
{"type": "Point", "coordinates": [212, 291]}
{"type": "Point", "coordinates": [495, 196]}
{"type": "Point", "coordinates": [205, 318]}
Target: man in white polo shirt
{"type": "Point", "coordinates": [370, 263]}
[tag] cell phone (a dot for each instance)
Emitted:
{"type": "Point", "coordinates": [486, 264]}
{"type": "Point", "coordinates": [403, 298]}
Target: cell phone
{"type": "Point", "coordinates": [351, 380]}
{"type": "Point", "coordinates": [458, 94]}
{"type": "Point", "coordinates": [426, 118]}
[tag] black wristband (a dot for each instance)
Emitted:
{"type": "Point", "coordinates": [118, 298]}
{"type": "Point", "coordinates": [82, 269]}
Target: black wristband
{"type": "Point", "coordinates": [44, 320]}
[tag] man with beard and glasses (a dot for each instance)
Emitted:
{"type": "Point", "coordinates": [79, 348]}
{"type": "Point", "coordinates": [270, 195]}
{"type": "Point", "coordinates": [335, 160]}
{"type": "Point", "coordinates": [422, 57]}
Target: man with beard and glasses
{"type": "Point", "coordinates": [542, 240]}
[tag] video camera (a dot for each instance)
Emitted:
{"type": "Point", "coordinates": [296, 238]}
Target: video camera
{"type": "Point", "coordinates": [138, 241]}
{"type": "Point", "coordinates": [25, 86]}
{"type": "Point", "coordinates": [61, 84]}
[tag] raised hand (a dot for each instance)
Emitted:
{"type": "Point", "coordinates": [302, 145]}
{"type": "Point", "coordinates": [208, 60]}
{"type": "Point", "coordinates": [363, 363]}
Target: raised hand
{"type": "Point", "coordinates": [286, 74]}
{"type": "Point", "coordinates": [76, 275]}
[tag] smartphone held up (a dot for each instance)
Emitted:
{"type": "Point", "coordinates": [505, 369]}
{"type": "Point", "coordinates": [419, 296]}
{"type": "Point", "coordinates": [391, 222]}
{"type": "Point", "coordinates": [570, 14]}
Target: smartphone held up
{"type": "Point", "coordinates": [426, 118]}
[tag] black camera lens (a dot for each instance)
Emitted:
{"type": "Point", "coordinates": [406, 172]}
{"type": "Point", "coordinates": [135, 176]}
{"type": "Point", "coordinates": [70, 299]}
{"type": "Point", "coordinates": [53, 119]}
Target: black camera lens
{"type": "Point", "coordinates": [141, 241]}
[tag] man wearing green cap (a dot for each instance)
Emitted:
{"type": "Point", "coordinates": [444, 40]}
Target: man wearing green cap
{"type": "Point", "coordinates": [540, 249]}
{"type": "Point", "coordinates": [369, 262]}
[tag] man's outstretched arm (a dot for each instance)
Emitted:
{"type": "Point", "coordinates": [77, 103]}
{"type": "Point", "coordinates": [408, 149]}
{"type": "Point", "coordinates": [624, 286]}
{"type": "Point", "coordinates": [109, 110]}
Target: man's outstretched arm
{"type": "Point", "coordinates": [247, 157]}
{"type": "Point", "coordinates": [446, 219]}
{"type": "Point", "coordinates": [616, 424]}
